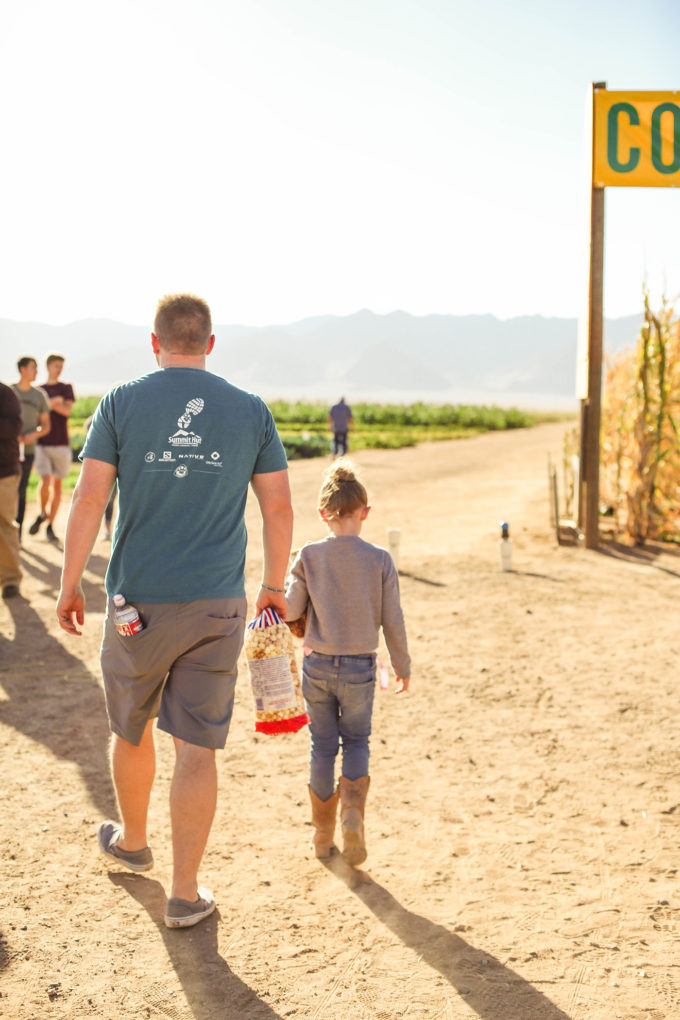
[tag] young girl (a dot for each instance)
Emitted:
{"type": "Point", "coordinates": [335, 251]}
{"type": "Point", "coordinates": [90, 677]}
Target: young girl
{"type": "Point", "coordinates": [349, 589]}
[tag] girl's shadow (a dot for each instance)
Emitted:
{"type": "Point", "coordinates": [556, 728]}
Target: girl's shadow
{"type": "Point", "coordinates": [483, 981]}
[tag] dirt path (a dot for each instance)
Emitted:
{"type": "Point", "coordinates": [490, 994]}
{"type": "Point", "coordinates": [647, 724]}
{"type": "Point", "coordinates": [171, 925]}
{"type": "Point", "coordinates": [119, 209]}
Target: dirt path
{"type": "Point", "coordinates": [523, 813]}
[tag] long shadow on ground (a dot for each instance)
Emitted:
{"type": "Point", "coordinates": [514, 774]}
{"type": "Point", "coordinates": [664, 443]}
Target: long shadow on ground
{"type": "Point", "coordinates": [643, 555]}
{"type": "Point", "coordinates": [53, 698]}
{"type": "Point", "coordinates": [211, 988]}
{"type": "Point", "coordinates": [488, 987]}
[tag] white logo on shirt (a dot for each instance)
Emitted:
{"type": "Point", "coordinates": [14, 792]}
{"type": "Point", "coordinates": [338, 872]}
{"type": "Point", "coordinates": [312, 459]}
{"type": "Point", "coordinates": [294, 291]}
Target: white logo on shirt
{"type": "Point", "coordinates": [183, 437]}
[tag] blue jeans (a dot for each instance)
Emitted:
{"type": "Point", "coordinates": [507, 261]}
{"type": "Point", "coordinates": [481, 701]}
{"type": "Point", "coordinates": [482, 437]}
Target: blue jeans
{"type": "Point", "coordinates": [339, 444]}
{"type": "Point", "coordinates": [338, 691]}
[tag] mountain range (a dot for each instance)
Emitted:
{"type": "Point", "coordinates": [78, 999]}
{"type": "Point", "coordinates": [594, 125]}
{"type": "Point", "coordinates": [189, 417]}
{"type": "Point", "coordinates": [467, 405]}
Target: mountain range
{"type": "Point", "coordinates": [528, 360]}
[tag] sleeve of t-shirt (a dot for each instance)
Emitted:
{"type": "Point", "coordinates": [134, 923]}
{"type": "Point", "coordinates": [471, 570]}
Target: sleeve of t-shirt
{"type": "Point", "coordinates": [271, 455]}
{"type": "Point", "coordinates": [297, 595]}
{"type": "Point", "coordinates": [393, 620]}
{"type": "Point", "coordinates": [68, 393]}
{"type": "Point", "coordinates": [45, 400]}
{"type": "Point", "coordinates": [101, 442]}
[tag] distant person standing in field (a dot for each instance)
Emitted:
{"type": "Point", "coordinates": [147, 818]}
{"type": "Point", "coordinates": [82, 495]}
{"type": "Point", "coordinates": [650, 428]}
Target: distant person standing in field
{"type": "Point", "coordinates": [10, 473]}
{"type": "Point", "coordinates": [35, 411]}
{"type": "Point", "coordinates": [340, 421]}
{"type": "Point", "coordinates": [53, 456]}
{"type": "Point", "coordinates": [184, 445]}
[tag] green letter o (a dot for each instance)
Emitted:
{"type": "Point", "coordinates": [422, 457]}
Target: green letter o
{"type": "Point", "coordinates": [666, 168]}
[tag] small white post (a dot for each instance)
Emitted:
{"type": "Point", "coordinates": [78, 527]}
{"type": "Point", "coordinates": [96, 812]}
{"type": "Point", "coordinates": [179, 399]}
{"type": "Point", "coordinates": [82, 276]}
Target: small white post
{"type": "Point", "coordinates": [393, 539]}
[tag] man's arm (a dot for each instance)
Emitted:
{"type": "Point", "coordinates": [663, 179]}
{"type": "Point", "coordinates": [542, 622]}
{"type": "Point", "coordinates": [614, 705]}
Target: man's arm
{"type": "Point", "coordinates": [44, 427]}
{"type": "Point", "coordinates": [272, 491]}
{"type": "Point", "coordinates": [61, 406]}
{"type": "Point", "coordinates": [90, 497]}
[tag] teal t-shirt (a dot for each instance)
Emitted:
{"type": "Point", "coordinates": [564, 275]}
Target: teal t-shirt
{"type": "Point", "coordinates": [185, 444]}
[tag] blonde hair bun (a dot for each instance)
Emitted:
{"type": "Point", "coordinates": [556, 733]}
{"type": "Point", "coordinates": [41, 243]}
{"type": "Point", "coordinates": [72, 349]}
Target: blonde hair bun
{"type": "Point", "coordinates": [342, 471]}
{"type": "Point", "coordinates": [341, 491]}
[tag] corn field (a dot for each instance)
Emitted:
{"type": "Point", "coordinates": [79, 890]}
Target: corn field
{"type": "Point", "coordinates": [640, 450]}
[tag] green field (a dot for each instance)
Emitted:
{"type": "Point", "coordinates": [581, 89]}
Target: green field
{"type": "Point", "coordinates": [304, 431]}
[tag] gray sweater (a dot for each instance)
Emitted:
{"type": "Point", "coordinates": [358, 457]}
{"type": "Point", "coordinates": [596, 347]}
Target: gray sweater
{"type": "Point", "coordinates": [350, 589]}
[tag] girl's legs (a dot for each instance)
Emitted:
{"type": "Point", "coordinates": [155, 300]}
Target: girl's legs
{"type": "Point", "coordinates": [355, 694]}
{"type": "Point", "coordinates": [318, 686]}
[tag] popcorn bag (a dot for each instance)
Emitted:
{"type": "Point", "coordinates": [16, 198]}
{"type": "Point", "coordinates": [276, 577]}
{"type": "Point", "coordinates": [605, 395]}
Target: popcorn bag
{"type": "Point", "coordinates": [274, 677]}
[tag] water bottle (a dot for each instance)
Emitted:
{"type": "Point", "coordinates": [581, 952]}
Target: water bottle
{"type": "Point", "coordinates": [505, 546]}
{"type": "Point", "coordinates": [126, 617]}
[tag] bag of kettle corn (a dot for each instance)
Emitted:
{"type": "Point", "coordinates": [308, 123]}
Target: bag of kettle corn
{"type": "Point", "coordinates": [274, 677]}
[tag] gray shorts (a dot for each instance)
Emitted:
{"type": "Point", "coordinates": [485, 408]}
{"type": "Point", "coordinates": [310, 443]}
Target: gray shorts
{"type": "Point", "coordinates": [181, 668]}
{"type": "Point", "coordinates": [53, 460]}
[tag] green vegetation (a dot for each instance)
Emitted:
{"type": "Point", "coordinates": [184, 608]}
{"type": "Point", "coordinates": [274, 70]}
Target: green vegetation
{"type": "Point", "coordinates": [304, 429]}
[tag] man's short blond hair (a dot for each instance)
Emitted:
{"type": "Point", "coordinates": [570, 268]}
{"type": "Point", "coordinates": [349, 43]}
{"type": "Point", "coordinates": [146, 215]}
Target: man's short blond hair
{"type": "Point", "coordinates": [183, 324]}
{"type": "Point", "coordinates": [54, 356]}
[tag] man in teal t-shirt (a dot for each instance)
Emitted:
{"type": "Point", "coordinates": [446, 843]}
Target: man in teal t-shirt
{"type": "Point", "coordinates": [183, 446]}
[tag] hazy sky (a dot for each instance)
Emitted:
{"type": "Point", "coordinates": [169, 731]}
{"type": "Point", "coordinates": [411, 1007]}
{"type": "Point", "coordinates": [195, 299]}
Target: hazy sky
{"type": "Point", "coordinates": [288, 158]}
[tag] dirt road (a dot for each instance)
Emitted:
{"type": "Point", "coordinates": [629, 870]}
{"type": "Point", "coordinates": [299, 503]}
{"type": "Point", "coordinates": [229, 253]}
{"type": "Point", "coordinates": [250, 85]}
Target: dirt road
{"type": "Point", "coordinates": [523, 813]}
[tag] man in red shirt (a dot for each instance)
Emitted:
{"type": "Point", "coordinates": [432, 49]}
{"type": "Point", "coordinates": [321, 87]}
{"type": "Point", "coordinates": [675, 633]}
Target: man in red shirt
{"type": "Point", "coordinates": [53, 456]}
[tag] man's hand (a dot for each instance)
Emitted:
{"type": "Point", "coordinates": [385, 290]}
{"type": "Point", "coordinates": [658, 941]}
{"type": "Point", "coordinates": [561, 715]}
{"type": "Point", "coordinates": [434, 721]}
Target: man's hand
{"type": "Point", "coordinates": [404, 681]}
{"type": "Point", "coordinates": [71, 609]}
{"type": "Point", "coordinates": [276, 600]}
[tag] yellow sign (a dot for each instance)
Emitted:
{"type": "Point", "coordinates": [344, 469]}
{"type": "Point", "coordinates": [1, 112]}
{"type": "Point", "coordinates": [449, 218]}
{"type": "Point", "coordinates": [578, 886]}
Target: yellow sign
{"type": "Point", "coordinates": [637, 139]}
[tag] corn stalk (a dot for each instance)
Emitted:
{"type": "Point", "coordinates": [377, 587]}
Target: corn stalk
{"type": "Point", "coordinates": [640, 452]}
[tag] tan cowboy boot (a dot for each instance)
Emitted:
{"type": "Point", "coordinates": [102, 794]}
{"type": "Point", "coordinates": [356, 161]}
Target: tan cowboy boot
{"type": "Point", "coordinates": [352, 804]}
{"type": "Point", "coordinates": [323, 820]}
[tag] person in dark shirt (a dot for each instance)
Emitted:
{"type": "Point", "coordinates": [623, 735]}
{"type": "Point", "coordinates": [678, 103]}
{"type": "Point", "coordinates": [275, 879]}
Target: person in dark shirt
{"type": "Point", "coordinates": [53, 456]}
{"type": "Point", "coordinates": [35, 411]}
{"type": "Point", "coordinates": [10, 474]}
{"type": "Point", "coordinates": [340, 420]}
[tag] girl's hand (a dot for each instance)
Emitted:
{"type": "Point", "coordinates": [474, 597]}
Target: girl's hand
{"type": "Point", "coordinates": [404, 681]}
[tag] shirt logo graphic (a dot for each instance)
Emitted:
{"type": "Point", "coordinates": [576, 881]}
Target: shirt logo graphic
{"type": "Point", "coordinates": [181, 471]}
{"type": "Point", "coordinates": [149, 456]}
{"type": "Point", "coordinates": [183, 437]}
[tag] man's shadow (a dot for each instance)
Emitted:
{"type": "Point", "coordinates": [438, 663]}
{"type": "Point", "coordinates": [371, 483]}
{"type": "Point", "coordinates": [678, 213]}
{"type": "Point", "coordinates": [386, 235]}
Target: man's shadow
{"type": "Point", "coordinates": [54, 699]}
{"type": "Point", "coordinates": [480, 978]}
{"type": "Point", "coordinates": [49, 575]}
{"type": "Point", "coordinates": [211, 987]}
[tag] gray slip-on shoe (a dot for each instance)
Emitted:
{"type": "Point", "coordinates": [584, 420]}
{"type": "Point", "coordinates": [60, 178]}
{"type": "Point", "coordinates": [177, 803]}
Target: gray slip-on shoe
{"type": "Point", "coordinates": [134, 860]}
{"type": "Point", "coordinates": [184, 914]}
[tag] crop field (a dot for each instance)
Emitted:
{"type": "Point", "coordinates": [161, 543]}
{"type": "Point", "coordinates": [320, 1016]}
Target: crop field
{"type": "Point", "coordinates": [304, 431]}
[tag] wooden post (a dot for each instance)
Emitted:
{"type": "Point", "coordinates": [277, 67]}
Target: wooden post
{"type": "Point", "coordinates": [590, 470]}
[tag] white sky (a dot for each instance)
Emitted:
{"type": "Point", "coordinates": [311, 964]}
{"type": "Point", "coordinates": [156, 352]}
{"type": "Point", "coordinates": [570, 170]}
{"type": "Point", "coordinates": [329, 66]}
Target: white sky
{"type": "Point", "coordinates": [287, 158]}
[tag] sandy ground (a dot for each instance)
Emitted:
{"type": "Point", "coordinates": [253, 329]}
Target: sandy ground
{"type": "Point", "coordinates": [523, 814]}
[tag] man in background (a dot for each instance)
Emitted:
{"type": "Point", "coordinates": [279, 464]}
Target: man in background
{"type": "Point", "coordinates": [10, 473]}
{"type": "Point", "coordinates": [35, 411]}
{"type": "Point", "coordinates": [184, 445]}
{"type": "Point", "coordinates": [53, 456]}
{"type": "Point", "coordinates": [340, 420]}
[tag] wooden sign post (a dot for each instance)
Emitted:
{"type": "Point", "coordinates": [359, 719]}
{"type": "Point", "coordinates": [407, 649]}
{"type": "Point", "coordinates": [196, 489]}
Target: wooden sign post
{"type": "Point", "coordinates": [635, 143]}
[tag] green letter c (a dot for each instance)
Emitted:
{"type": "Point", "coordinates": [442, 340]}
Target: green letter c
{"type": "Point", "coordinates": [613, 138]}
